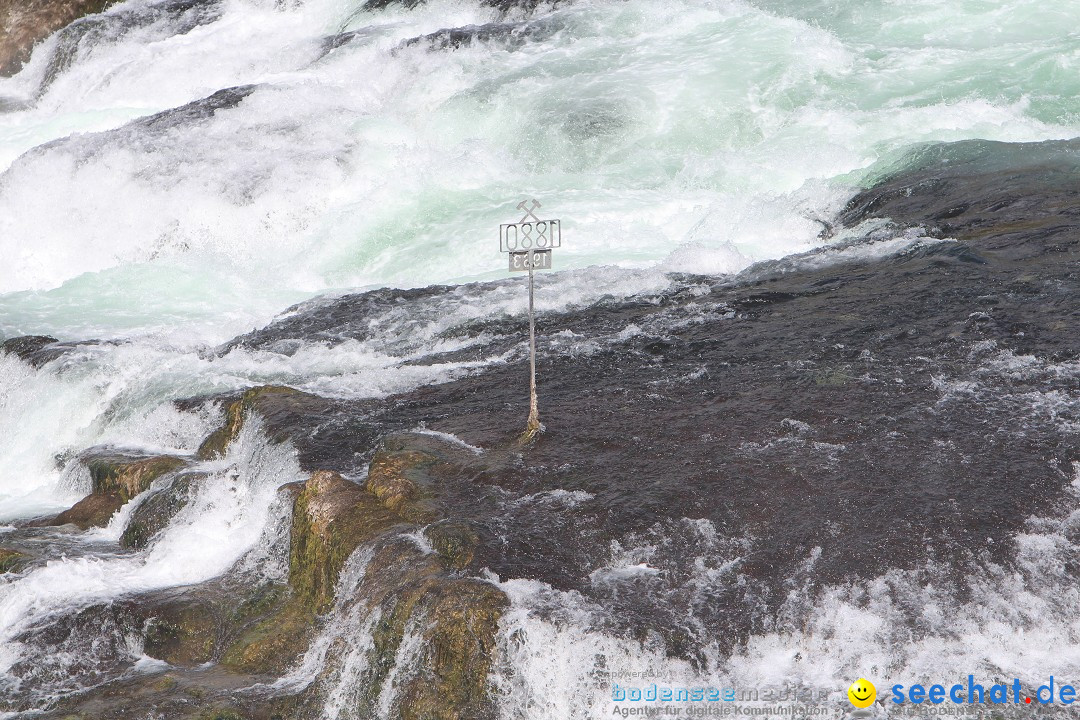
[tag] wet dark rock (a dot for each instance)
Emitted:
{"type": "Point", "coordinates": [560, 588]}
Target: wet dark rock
{"type": "Point", "coordinates": [156, 512]}
{"type": "Point", "coordinates": [269, 400]}
{"type": "Point", "coordinates": [331, 518]}
{"type": "Point", "coordinates": [176, 17]}
{"type": "Point", "coordinates": [193, 112]}
{"type": "Point", "coordinates": [85, 644]}
{"type": "Point", "coordinates": [187, 627]}
{"type": "Point", "coordinates": [127, 474]}
{"type": "Point", "coordinates": [343, 438]}
{"type": "Point", "coordinates": [23, 23]}
{"type": "Point", "coordinates": [461, 616]}
{"type": "Point", "coordinates": [1013, 198]}
{"type": "Point", "coordinates": [510, 36]}
{"type": "Point", "coordinates": [36, 350]}
{"type": "Point", "coordinates": [141, 135]}
{"type": "Point", "coordinates": [183, 631]}
{"type": "Point", "coordinates": [454, 541]}
{"type": "Point", "coordinates": [331, 323]}
{"type": "Point", "coordinates": [92, 511]}
{"type": "Point", "coordinates": [116, 477]}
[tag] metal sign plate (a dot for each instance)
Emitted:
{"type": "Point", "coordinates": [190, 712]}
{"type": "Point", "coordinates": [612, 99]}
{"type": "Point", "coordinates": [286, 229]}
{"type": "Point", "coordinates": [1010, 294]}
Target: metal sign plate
{"type": "Point", "coordinates": [542, 235]}
{"type": "Point", "coordinates": [530, 259]}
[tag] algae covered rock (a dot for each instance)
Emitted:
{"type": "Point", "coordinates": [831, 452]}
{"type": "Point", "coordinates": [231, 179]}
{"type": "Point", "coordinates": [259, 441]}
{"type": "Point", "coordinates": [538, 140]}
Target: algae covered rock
{"type": "Point", "coordinates": [182, 632]}
{"type": "Point", "coordinates": [406, 470]}
{"type": "Point", "coordinates": [202, 623]}
{"type": "Point", "coordinates": [116, 477]}
{"type": "Point", "coordinates": [462, 616]}
{"type": "Point", "coordinates": [454, 541]}
{"type": "Point", "coordinates": [331, 518]}
{"type": "Point", "coordinates": [11, 561]}
{"type": "Point", "coordinates": [452, 622]}
{"type": "Point", "coordinates": [271, 646]}
{"type": "Point", "coordinates": [389, 477]}
{"type": "Point", "coordinates": [236, 412]}
{"type": "Point", "coordinates": [127, 475]}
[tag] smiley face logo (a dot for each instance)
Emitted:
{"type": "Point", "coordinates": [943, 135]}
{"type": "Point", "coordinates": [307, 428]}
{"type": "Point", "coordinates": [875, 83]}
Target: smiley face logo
{"type": "Point", "coordinates": [862, 693]}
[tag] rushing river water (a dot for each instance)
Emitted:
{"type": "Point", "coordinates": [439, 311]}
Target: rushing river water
{"type": "Point", "coordinates": [177, 173]}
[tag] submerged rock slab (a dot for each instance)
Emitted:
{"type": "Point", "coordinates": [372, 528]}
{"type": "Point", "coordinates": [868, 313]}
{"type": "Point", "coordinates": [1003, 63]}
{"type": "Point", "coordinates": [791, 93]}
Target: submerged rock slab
{"type": "Point", "coordinates": [35, 350]}
{"type": "Point", "coordinates": [716, 456]}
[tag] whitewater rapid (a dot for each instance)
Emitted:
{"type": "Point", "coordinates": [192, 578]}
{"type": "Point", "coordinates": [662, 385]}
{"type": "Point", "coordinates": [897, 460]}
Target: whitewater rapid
{"type": "Point", "coordinates": [679, 136]}
{"type": "Point", "coordinates": [693, 136]}
{"type": "Point", "coordinates": [674, 136]}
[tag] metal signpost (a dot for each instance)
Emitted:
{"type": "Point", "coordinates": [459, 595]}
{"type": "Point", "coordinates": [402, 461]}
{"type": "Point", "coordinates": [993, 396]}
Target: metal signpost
{"type": "Point", "coordinates": [529, 242]}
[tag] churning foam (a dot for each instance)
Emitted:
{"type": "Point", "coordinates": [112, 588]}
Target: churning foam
{"type": "Point", "coordinates": [698, 134]}
{"type": "Point", "coordinates": [225, 520]}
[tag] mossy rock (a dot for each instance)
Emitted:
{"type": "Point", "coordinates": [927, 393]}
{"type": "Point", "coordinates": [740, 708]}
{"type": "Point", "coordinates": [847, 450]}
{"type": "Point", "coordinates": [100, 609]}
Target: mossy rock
{"type": "Point", "coordinates": [457, 617]}
{"type": "Point", "coordinates": [236, 411]}
{"type": "Point", "coordinates": [404, 474]}
{"type": "Point", "coordinates": [331, 518]}
{"type": "Point", "coordinates": [182, 633]}
{"type": "Point", "coordinates": [391, 476]}
{"type": "Point", "coordinates": [155, 513]}
{"type": "Point", "coordinates": [274, 644]}
{"type": "Point", "coordinates": [462, 617]}
{"type": "Point", "coordinates": [126, 475]}
{"type": "Point", "coordinates": [115, 479]}
{"type": "Point", "coordinates": [454, 541]}
{"type": "Point", "coordinates": [259, 604]}
{"type": "Point", "coordinates": [188, 627]}
{"type": "Point", "coordinates": [11, 561]}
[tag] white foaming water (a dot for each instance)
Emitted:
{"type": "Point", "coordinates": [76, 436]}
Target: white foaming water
{"type": "Point", "coordinates": [695, 133]}
{"type": "Point", "coordinates": [681, 135]}
{"type": "Point", "coordinates": [559, 658]}
{"type": "Point", "coordinates": [224, 521]}
{"type": "Point", "coordinates": [351, 622]}
{"type": "Point", "coordinates": [120, 393]}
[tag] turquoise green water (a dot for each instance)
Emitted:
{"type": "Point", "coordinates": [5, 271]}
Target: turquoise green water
{"type": "Point", "coordinates": [689, 135]}
{"type": "Point", "coordinates": [679, 135]}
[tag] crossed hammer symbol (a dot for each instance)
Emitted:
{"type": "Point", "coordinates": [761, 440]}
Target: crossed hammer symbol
{"type": "Point", "coordinates": [528, 211]}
